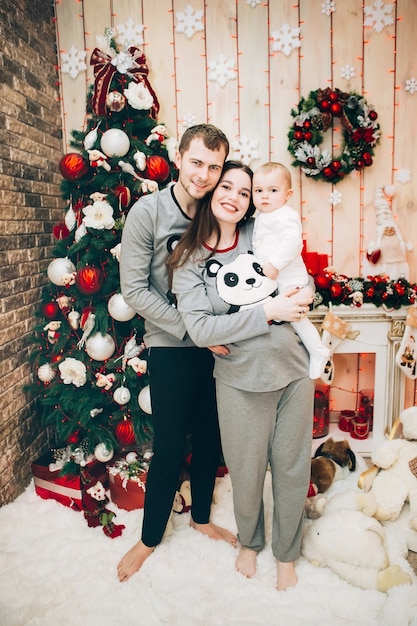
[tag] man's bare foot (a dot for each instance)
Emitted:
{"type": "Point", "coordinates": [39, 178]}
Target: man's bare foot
{"type": "Point", "coordinates": [287, 576]}
{"type": "Point", "coordinates": [246, 562]}
{"type": "Point", "coordinates": [133, 561]}
{"type": "Point", "coordinates": [215, 532]}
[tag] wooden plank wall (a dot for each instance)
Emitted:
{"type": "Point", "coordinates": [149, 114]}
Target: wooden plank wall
{"type": "Point", "coordinates": [255, 104]}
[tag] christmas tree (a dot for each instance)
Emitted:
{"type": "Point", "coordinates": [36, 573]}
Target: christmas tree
{"type": "Point", "coordinates": [90, 361]}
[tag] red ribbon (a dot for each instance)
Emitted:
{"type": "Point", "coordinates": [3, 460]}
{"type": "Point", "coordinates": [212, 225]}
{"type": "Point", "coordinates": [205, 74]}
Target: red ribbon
{"type": "Point", "coordinates": [103, 74]}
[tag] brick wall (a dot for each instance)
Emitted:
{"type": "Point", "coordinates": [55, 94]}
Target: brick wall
{"type": "Point", "coordinates": [30, 203]}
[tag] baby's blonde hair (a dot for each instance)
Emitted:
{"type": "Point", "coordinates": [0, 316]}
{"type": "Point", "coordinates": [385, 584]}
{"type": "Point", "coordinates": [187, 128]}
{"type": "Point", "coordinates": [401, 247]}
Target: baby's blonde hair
{"type": "Point", "coordinates": [272, 166]}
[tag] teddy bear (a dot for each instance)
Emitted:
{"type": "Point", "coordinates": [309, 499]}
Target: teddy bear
{"type": "Point", "coordinates": [352, 545]}
{"type": "Point", "coordinates": [396, 482]}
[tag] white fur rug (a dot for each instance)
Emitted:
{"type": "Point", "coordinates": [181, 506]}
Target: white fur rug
{"type": "Point", "coordinates": [55, 570]}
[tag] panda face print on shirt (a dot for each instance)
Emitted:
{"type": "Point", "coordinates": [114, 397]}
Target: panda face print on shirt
{"type": "Point", "coordinates": [241, 283]}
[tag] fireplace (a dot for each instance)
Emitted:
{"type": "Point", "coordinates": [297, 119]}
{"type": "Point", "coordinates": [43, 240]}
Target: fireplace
{"type": "Point", "coordinates": [379, 338]}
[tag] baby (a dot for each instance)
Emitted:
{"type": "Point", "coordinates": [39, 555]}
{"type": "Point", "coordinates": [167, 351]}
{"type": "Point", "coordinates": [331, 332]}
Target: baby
{"type": "Point", "coordinates": [277, 243]}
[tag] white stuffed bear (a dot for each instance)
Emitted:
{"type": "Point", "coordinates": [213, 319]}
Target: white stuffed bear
{"type": "Point", "coordinates": [352, 545]}
{"type": "Point", "coordinates": [396, 482]}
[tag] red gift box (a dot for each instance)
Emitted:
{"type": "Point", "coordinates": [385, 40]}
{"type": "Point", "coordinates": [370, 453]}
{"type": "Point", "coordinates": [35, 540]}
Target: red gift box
{"type": "Point", "coordinates": [127, 493]}
{"type": "Point", "coordinates": [63, 489]}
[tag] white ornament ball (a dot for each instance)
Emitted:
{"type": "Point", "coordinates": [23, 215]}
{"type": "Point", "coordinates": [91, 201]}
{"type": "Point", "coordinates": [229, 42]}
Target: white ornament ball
{"type": "Point", "coordinates": [46, 373]}
{"type": "Point", "coordinates": [115, 142]}
{"type": "Point", "coordinates": [103, 453]}
{"type": "Point", "coordinates": [131, 457]}
{"type": "Point", "coordinates": [100, 347]}
{"type": "Point", "coordinates": [58, 268]}
{"type": "Point", "coordinates": [144, 400]}
{"type": "Point", "coordinates": [121, 395]}
{"type": "Point", "coordinates": [119, 310]}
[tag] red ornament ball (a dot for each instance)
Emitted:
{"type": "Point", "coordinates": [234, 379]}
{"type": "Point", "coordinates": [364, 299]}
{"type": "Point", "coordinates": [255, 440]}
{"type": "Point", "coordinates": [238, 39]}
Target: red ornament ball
{"type": "Point", "coordinates": [328, 172]}
{"type": "Point", "coordinates": [308, 135]}
{"type": "Point", "coordinates": [336, 290]}
{"type": "Point", "coordinates": [325, 105]}
{"type": "Point", "coordinates": [322, 281]}
{"type": "Point", "coordinates": [298, 135]}
{"type": "Point", "coordinates": [50, 310]}
{"type": "Point", "coordinates": [311, 161]}
{"type": "Point", "coordinates": [124, 432]}
{"type": "Point", "coordinates": [73, 166]}
{"type": "Point", "coordinates": [89, 280]}
{"type": "Point", "coordinates": [373, 115]}
{"type": "Point", "coordinates": [157, 168]}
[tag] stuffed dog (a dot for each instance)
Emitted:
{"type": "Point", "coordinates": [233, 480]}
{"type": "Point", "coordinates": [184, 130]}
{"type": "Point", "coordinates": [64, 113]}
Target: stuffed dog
{"type": "Point", "coordinates": [331, 461]}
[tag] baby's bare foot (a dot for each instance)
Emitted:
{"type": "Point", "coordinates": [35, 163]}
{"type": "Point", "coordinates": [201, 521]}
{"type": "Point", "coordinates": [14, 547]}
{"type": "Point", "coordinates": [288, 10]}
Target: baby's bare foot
{"type": "Point", "coordinates": [215, 532]}
{"type": "Point", "coordinates": [133, 561]}
{"type": "Point", "coordinates": [287, 576]}
{"type": "Point", "coordinates": [246, 562]}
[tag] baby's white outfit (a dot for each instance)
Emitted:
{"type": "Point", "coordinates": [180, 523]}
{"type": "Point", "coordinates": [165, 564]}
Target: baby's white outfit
{"type": "Point", "coordinates": [278, 239]}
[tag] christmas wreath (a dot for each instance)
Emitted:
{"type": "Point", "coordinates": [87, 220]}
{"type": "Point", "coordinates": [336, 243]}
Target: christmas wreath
{"type": "Point", "coordinates": [314, 116]}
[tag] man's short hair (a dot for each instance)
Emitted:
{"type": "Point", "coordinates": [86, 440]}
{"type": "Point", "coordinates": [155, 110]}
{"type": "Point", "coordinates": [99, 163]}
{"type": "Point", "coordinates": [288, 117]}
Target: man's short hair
{"type": "Point", "coordinates": [213, 138]}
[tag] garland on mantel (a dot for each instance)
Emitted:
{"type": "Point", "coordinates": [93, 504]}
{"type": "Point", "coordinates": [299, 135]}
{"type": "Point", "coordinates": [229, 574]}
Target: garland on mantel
{"type": "Point", "coordinates": [334, 288]}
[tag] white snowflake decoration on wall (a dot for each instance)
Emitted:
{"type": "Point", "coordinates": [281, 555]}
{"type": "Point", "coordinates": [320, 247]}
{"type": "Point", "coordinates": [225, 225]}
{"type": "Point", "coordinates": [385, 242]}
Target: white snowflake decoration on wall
{"type": "Point", "coordinates": [286, 39]}
{"type": "Point", "coordinates": [189, 120]}
{"type": "Point", "coordinates": [222, 70]}
{"type": "Point", "coordinates": [73, 62]}
{"type": "Point", "coordinates": [411, 85]}
{"type": "Point", "coordinates": [403, 176]}
{"type": "Point", "coordinates": [246, 149]}
{"type": "Point", "coordinates": [328, 7]}
{"type": "Point", "coordinates": [189, 21]}
{"type": "Point", "coordinates": [130, 33]}
{"type": "Point", "coordinates": [253, 3]}
{"type": "Point", "coordinates": [347, 72]}
{"type": "Point", "coordinates": [335, 197]}
{"type": "Point", "coordinates": [378, 15]}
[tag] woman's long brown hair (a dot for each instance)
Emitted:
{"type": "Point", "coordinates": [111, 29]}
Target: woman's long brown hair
{"type": "Point", "coordinates": [204, 225]}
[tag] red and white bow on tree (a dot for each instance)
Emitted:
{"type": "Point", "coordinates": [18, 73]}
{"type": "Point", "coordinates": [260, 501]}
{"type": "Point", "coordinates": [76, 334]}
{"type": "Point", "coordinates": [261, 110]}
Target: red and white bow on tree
{"type": "Point", "coordinates": [105, 66]}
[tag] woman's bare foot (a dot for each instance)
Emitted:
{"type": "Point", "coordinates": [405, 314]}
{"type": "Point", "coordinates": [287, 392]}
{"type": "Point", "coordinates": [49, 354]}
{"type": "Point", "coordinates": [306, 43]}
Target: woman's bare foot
{"type": "Point", "coordinates": [215, 532]}
{"type": "Point", "coordinates": [287, 576]}
{"type": "Point", "coordinates": [246, 562]}
{"type": "Point", "coordinates": [133, 561]}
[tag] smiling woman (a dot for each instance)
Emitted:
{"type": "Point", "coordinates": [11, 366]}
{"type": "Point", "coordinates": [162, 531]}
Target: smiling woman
{"type": "Point", "coordinates": [214, 273]}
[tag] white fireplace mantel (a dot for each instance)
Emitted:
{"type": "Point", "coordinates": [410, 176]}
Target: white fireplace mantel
{"type": "Point", "coordinates": [380, 332]}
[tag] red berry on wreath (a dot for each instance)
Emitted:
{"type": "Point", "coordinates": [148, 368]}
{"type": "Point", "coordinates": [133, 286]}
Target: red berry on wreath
{"type": "Point", "coordinates": [327, 172]}
{"type": "Point", "coordinates": [372, 115]}
{"type": "Point", "coordinates": [307, 124]}
{"type": "Point", "coordinates": [333, 97]}
{"type": "Point", "coordinates": [308, 135]}
{"type": "Point", "coordinates": [359, 165]}
{"type": "Point", "coordinates": [325, 105]}
{"type": "Point", "coordinates": [336, 165]}
{"type": "Point", "coordinates": [311, 161]}
{"type": "Point", "coordinates": [368, 162]}
{"type": "Point", "coordinates": [298, 135]}
{"type": "Point", "coordinates": [336, 108]}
